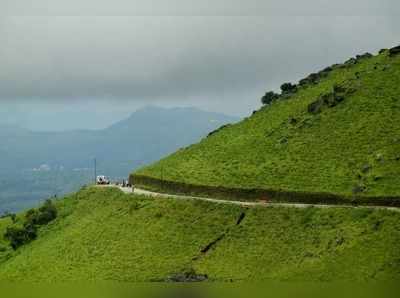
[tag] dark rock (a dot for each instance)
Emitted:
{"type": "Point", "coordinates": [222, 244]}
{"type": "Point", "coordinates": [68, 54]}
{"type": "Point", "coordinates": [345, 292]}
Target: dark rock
{"type": "Point", "coordinates": [394, 51]}
{"type": "Point", "coordinates": [315, 107]}
{"type": "Point", "coordinates": [330, 100]}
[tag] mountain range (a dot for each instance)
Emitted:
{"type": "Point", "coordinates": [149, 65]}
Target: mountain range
{"type": "Point", "coordinates": [39, 164]}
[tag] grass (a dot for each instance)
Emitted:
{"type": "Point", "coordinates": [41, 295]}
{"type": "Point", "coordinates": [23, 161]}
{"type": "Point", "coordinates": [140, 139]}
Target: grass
{"type": "Point", "coordinates": [103, 234]}
{"type": "Point", "coordinates": [354, 145]}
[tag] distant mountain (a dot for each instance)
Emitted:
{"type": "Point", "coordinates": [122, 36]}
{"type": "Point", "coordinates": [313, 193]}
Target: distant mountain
{"type": "Point", "coordinates": [146, 136]}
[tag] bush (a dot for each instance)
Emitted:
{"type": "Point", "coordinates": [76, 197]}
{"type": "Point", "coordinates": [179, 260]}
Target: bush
{"type": "Point", "coordinates": [19, 236]}
{"type": "Point", "coordinates": [47, 213]}
{"type": "Point", "coordinates": [13, 217]}
{"type": "Point", "coordinates": [269, 97]}
{"type": "Point", "coordinates": [32, 216]}
{"type": "Point", "coordinates": [33, 219]}
{"type": "Point", "coordinates": [43, 216]}
{"type": "Point", "coordinates": [394, 51]}
{"type": "Point", "coordinates": [288, 88]}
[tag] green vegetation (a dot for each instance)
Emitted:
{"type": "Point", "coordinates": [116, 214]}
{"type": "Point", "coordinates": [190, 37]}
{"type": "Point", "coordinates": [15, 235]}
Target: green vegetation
{"type": "Point", "coordinates": [335, 132]}
{"type": "Point", "coordinates": [103, 234]}
{"type": "Point", "coordinates": [23, 233]}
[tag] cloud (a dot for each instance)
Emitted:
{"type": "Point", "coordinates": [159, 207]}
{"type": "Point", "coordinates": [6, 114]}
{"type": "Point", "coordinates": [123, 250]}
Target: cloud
{"type": "Point", "coordinates": [67, 58]}
{"type": "Point", "coordinates": [202, 8]}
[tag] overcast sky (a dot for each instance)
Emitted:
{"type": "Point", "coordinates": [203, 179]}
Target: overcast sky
{"type": "Point", "coordinates": [96, 70]}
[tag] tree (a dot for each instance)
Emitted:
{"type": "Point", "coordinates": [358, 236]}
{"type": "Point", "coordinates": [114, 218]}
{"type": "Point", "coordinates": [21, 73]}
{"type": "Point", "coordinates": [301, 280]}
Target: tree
{"type": "Point", "coordinates": [269, 97]}
{"type": "Point", "coordinates": [20, 235]}
{"type": "Point", "coordinates": [288, 88]}
{"type": "Point", "coordinates": [43, 216]}
{"type": "Point", "coordinates": [47, 213]}
{"type": "Point", "coordinates": [34, 218]}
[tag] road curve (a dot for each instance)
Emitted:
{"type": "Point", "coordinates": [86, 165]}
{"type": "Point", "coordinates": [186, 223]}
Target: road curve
{"type": "Point", "coordinates": [152, 194]}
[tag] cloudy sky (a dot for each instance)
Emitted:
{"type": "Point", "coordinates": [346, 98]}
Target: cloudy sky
{"type": "Point", "coordinates": [98, 69]}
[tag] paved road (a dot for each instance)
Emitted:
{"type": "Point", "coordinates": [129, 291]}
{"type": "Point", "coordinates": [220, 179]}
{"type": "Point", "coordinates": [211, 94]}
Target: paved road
{"type": "Point", "coordinates": [245, 204]}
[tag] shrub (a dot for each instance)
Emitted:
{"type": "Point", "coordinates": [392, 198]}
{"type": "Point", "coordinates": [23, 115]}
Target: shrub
{"type": "Point", "coordinates": [33, 219]}
{"type": "Point", "coordinates": [288, 88]}
{"type": "Point", "coordinates": [32, 216]}
{"type": "Point", "coordinates": [47, 213]}
{"type": "Point", "coordinates": [44, 215]}
{"type": "Point", "coordinates": [269, 97]}
{"type": "Point", "coordinates": [311, 79]}
{"type": "Point", "coordinates": [19, 236]}
{"type": "Point", "coordinates": [394, 51]}
{"type": "Point", "coordinates": [13, 217]}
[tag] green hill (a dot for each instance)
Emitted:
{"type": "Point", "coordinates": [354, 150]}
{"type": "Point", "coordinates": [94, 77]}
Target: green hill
{"type": "Point", "coordinates": [103, 234]}
{"type": "Point", "coordinates": [337, 132]}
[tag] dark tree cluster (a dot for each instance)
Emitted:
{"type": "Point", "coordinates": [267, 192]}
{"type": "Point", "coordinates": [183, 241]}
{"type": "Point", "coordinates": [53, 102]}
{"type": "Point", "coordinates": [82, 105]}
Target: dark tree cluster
{"type": "Point", "coordinates": [34, 218]}
{"type": "Point", "coordinates": [314, 78]}
{"type": "Point", "coordinates": [394, 51]}
{"type": "Point", "coordinates": [288, 88]}
{"type": "Point", "coordinates": [269, 97]}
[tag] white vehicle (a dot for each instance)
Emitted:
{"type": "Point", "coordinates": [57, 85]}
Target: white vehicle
{"type": "Point", "coordinates": [102, 180]}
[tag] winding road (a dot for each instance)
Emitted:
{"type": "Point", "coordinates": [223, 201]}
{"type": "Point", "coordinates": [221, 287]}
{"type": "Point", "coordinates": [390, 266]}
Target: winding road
{"type": "Point", "coordinates": [138, 191]}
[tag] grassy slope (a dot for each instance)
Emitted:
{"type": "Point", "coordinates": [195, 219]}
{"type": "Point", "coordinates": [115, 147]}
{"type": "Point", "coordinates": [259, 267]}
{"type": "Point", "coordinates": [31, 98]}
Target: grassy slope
{"type": "Point", "coordinates": [324, 152]}
{"type": "Point", "coordinates": [106, 235]}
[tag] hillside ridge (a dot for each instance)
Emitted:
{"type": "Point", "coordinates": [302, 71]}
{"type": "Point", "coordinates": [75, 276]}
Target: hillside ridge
{"type": "Point", "coordinates": [101, 234]}
{"type": "Point", "coordinates": [336, 132]}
